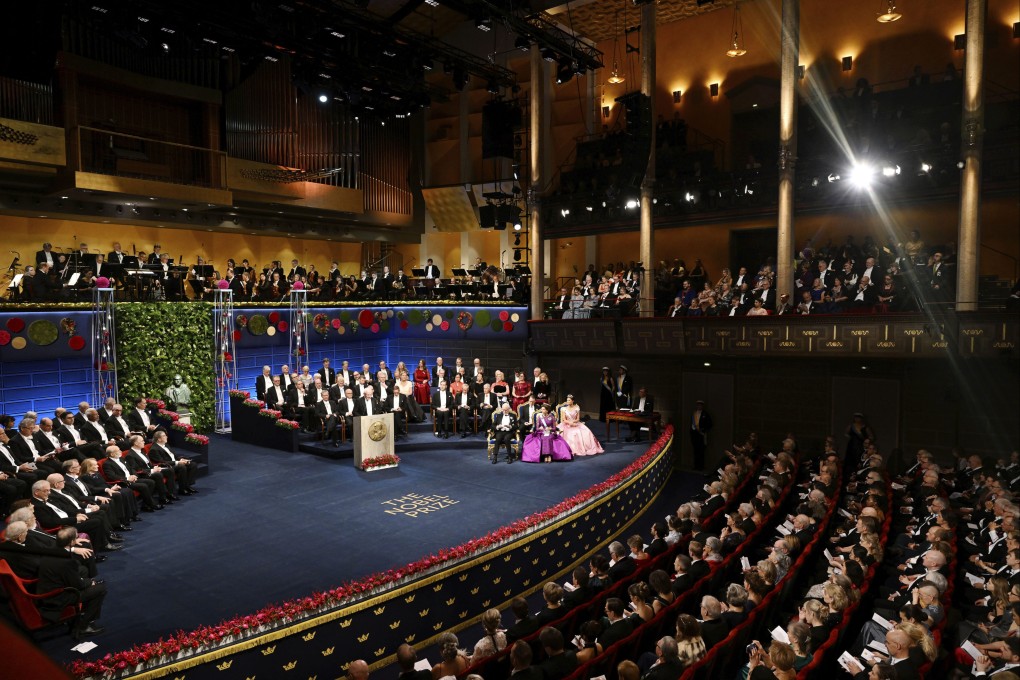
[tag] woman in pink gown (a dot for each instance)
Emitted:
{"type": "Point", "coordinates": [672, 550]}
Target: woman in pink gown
{"type": "Point", "coordinates": [422, 384]}
{"type": "Point", "coordinates": [579, 438]}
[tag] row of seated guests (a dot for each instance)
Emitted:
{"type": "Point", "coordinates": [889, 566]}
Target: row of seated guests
{"type": "Point", "coordinates": [330, 397]}
{"type": "Point", "coordinates": [617, 292]}
{"type": "Point", "coordinates": [64, 514]}
{"type": "Point", "coordinates": [617, 617]}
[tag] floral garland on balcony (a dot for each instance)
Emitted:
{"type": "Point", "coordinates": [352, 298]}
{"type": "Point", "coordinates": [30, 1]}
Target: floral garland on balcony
{"type": "Point", "coordinates": [199, 439]}
{"type": "Point", "coordinates": [164, 651]}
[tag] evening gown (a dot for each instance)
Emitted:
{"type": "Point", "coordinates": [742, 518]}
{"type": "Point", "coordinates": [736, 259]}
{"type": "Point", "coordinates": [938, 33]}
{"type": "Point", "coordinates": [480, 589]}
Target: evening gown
{"type": "Point", "coordinates": [545, 440]}
{"type": "Point", "coordinates": [521, 392]}
{"type": "Point", "coordinates": [422, 386]}
{"type": "Point", "coordinates": [579, 438]}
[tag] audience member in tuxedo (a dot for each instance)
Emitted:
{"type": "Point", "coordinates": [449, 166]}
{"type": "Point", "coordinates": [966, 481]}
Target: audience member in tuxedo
{"type": "Point", "coordinates": [581, 592]}
{"type": "Point", "coordinates": [616, 626]}
{"type": "Point", "coordinates": [69, 433]}
{"type": "Point", "coordinates": [264, 382]}
{"type": "Point", "coordinates": [107, 411]}
{"type": "Point", "coordinates": [97, 485]}
{"type": "Point", "coordinates": [61, 496]}
{"type": "Point", "coordinates": [328, 412]}
{"type": "Point", "coordinates": [558, 663]}
{"type": "Point", "coordinates": [713, 629]}
{"type": "Point", "coordinates": [23, 446]}
{"type": "Point", "coordinates": [138, 462]}
{"type": "Point", "coordinates": [643, 406]}
{"type": "Point", "coordinates": [15, 468]}
{"type": "Point", "coordinates": [904, 664]}
{"type": "Point", "coordinates": [526, 416]}
{"type": "Point", "coordinates": [57, 574]}
{"type": "Point", "coordinates": [504, 430]}
{"type": "Point", "coordinates": [116, 470]}
{"type": "Point", "coordinates": [657, 546]}
{"type": "Point", "coordinates": [139, 421]}
{"type": "Point", "coordinates": [51, 514]}
{"type": "Point", "coordinates": [668, 665]}
{"type": "Point", "coordinates": [301, 407]}
{"type": "Point", "coordinates": [464, 404]}
{"type": "Point", "coordinates": [442, 410]}
{"type": "Point", "coordinates": [348, 406]}
{"type": "Point", "coordinates": [185, 469]}
{"type": "Point", "coordinates": [79, 416]}
{"type": "Point", "coordinates": [623, 565]}
{"type": "Point", "coordinates": [95, 431]}
{"type": "Point", "coordinates": [397, 404]}
{"type": "Point", "coordinates": [525, 623]}
{"type": "Point", "coordinates": [275, 396]}
{"type": "Point", "coordinates": [47, 441]}
{"type": "Point", "coordinates": [115, 504]}
{"type": "Point", "coordinates": [406, 659]}
{"type": "Point", "coordinates": [486, 403]}
{"type": "Point", "coordinates": [699, 567]}
{"type": "Point", "coordinates": [79, 549]}
{"type": "Point", "coordinates": [117, 426]}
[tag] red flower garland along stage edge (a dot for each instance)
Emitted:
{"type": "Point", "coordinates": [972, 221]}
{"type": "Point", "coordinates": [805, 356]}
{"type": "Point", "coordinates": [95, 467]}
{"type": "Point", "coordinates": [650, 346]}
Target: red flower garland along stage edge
{"type": "Point", "coordinates": [163, 651]}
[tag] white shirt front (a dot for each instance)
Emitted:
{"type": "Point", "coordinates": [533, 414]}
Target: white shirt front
{"type": "Point", "coordinates": [10, 456]}
{"type": "Point", "coordinates": [368, 407]}
{"type": "Point", "coordinates": [329, 408]}
{"type": "Point", "coordinates": [442, 400]}
{"type": "Point", "coordinates": [396, 402]}
{"type": "Point", "coordinates": [123, 468]}
{"type": "Point", "coordinates": [31, 446]}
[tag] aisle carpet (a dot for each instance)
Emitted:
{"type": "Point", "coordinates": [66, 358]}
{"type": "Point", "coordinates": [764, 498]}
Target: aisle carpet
{"type": "Point", "coordinates": [270, 526]}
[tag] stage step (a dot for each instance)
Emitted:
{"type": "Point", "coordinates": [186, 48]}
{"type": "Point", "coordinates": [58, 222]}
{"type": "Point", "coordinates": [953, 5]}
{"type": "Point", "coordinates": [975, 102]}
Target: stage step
{"type": "Point", "coordinates": [421, 440]}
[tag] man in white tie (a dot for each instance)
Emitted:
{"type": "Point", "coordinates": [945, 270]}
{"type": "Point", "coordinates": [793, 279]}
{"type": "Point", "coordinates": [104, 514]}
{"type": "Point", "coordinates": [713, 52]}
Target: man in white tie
{"type": "Point", "coordinates": [47, 441]}
{"type": "Point", "coordinates": [94, 430]}
{"type": "Point", "coordinates": [185, 469]}
{"type": "Point", "coordinates": [114, 503]}
{"type": "Point", "coordinates": [301, 407]}
{"type": "Point", "coordinates": [138, 462]}
{"type": "Point", "coordinates": [345, 371]}
{"type": "Point", "coordinates": [51, 516]}
{"type": "Point", "coordinates": [139, 419]}
{"type": "Point", "coordinates": [328, 412]}
{"type": "Point", "coordinates": [367, 405]}
{"type": "Point", "coordinates": [115, 470]}
{"type": "Point", "coordinates": [442, 403]}
{"type": "Point", "coordinates": [486, 406]}
{"type": "Point", "coordinates": [24, 448]}
{"type": "Point", "coordinates": [68, 433]}
{"type": "Point", "coordinates": [536, 376]}
{"type": "Point", "coordinates": [384, 392]}
{"type": "Point", "coordinates": [396, 405]}
{"type": "Point", "coordinates": [264, 382]}
{"type": "Point", "coordinates": [348, 405]}
{"type": "Point", "coordinates": [504, 425]}
{"type": "Point", "coordinates": [465, 405]}
{"type": "Point", "coordinates": [285, 379]}
{"type": "Point", "coordinates": [274, 395]}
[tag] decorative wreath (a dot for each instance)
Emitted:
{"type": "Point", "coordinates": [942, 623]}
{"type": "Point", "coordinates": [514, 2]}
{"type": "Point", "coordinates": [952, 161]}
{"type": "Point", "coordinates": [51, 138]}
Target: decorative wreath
{"type": "Point", "coordinates": [241, 321]}
{"type": "Point", "coordinates": [68, 325]}
{"type": "Point", "coordinates": [465, 320]}
{"type": "Point", "coordinates": [321, 324]}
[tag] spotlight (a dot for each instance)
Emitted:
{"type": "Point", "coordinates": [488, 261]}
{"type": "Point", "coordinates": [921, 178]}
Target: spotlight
{"type": "Point", "coordinates": [588, 208]}
{"type": "Point", "coordinates": [890, 170]}
{"type": "Point", "coordinates": [517, 227]}
{"type": "Point", "coordinates": [564, 212]}
{"type": "Point", "coordinates": [925, 167]}
{"type": "Point", "coordinates": [323, 98]}
{"type": "Point", "coordinates": [861, 175]}
{"type": "Point", "coordinates": [833, 178]}
{"type": "Point", "coordinates": [632, 203]}
{"type": "Point", "coordinates": [564, 72]}
{"type": "Point", "coordinates": [959, 164]}
{"type": "Point", "coordinates": [689, 197]}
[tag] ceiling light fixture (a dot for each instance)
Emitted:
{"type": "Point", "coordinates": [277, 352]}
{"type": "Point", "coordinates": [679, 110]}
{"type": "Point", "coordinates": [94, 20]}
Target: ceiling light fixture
{"type": "Point", "coordinates": [615, 78]}
{"type": "Point", "coordinates": [737, 31]}
{"type": "Point", "coordinates": [890, 14]}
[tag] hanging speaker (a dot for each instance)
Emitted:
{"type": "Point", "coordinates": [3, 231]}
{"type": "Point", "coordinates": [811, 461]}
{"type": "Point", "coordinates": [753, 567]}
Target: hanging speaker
{"type": "Point", "coordinates": [499, 120]}
{"type": "Point", "coordinates": [487, 216]}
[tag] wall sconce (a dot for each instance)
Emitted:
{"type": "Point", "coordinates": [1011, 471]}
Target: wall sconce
{"type": "Point", "coordinates": [848, 63]}
{"type": "Point", "coordinates": [676, 96]}
{"type": "Point", "coordinates": [714, 89]}
{"type": "Point", "coordinates": [1016, 29]}
{"type": "Point", "coordinates": [960, 42]}
{"type": "Point", "coordinates": [605, 112]}
{"type": "Point", "coordinates": [800, 71]}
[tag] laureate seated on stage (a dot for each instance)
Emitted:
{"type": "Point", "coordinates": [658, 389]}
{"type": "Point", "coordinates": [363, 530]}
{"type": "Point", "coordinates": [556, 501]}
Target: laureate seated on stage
{"type": "Point", "coordinates": [465, 406]}
{"type": "Point", "coordinates": [442, 410]}
{"type": "Point", "coordinates": [328, 413]}
{"type": "Point", "coordinates": [184, 469]}
{"type": "Point", "coordinates": [299, 406]}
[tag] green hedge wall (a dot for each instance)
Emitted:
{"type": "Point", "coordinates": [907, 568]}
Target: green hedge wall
{"type": "Point", "coordinates": [155, 341]}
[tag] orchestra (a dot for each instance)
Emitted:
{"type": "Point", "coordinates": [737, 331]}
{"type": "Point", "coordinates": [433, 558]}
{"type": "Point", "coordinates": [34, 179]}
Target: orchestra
{"type": "Point", "coordinates": [71, 276]}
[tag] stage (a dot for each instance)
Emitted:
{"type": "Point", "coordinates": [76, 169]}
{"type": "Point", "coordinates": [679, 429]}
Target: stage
{"type": "Point", "coordinates": [270, 526]}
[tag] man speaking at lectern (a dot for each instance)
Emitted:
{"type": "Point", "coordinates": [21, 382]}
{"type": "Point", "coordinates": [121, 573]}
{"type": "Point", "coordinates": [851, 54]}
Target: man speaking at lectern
{"type": "Point", "coordinates": [366, 405]}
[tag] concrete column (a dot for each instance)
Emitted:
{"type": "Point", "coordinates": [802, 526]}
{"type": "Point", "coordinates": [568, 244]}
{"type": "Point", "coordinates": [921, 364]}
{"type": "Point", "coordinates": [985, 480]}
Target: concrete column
{"type": "Point", "coordinates": [539, 179]}
{"type": "Point", "coordinates": [972, 132]}
{"type": "Point", "coordinates": [787, 146]}
{"type": "Point", "coordinates": [647, 236]}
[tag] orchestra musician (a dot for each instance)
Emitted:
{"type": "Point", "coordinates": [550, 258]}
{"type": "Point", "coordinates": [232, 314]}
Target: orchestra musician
{"type": "Point", "coordinates": [154, 255]}
{"type": "Point", "coordinates": [46, 255]}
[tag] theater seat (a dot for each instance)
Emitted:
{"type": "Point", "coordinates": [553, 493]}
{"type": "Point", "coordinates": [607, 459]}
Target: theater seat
{"type": "Point", "coordinates": [23, 602]}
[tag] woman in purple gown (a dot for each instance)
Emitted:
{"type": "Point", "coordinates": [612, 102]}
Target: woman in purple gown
{"type": "Point", "coordinates": [545, 444]}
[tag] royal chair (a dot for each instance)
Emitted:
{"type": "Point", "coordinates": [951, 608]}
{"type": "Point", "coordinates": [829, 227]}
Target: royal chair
{"type": "Point", "coordinates": [490, 445]}
{"type": "Point", "coordinates": [23, 602]}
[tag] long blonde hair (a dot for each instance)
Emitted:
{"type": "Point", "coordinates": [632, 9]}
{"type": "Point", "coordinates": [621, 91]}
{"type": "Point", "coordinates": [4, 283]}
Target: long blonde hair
{"type": "Point", "coordinates": [920, 635]}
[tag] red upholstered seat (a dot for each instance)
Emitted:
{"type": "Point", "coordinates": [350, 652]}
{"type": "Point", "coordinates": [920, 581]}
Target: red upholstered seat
{"type": "Point", "coordinates": [23, 602]}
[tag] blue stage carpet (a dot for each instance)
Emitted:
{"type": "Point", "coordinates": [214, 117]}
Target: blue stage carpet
{"type": "Point", "coordinates": [270, 526]}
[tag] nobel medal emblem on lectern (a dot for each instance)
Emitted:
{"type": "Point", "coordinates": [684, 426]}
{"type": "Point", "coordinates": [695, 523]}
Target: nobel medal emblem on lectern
{"type": "Point", "coordinates": [373, 437]}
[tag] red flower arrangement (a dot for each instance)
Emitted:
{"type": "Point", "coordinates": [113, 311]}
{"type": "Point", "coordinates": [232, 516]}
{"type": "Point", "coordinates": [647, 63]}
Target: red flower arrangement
{"type": "Point", "coordinates": [380, 461]}
{"type": "Point", "coordinates": [182, 427]}
{"type": "Point", "coordinates": [199, 439]}
{"type": "Point", "coordinates": [287, 424]}
{"type": "Point", "coordinates": [243, 626]}
{"type": "Point", "coordinates": [155, 403]}
{"type": "Point", "coordinates": [240, 394]}
{"type": "Point", "coordinates": [254, 403]}
{"type": "Point", "coordinates": [270, 413]}
{"type": "Point", "coordinates": [320, 324]}
{"type": "Point", "coordinates": [172, 416]}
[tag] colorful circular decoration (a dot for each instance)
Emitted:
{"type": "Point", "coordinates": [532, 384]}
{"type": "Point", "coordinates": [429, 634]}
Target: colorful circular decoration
{"type": "Point", "coordinates": [335, 323]}
{"type": "Point", "coordinates": [19, 343]}
{"type": "Point", "coordinates": [389, 313]}
{"type": "Point", "coordinates": [5, 338]}
{"type": "Point", "coordinates": [504, 315]}
{"type": "Point", "coordinates": [449, 314]}
{"type": "Point", "coordinates": [274, 317]}
{"type": "Point", "coordinates": [42, 332]}
{"type": "Point", "coordinates": [507, 326]}
{"type": "Point", "coordinates": [515, 317]}
{"type": "Point", "coordinates": [374, 328]}
{"type": "Point", "coordinates": [445, 325]}
{"type": "Point", "coordinates": [298, 285]}
{"type": "Point", "coordinates": [271, 331]}
{"type": "Point", "coordinates": [257, 324]}
{"type": "Point", "coordinates": [428, 327]}
{"type": "Point", "coordinates": [483, 317]}
{"type": "Point", "coordinates": [400, 315]}
{"type": "Point", "coordinates": [342, 330]}
{"type": "Point", "coordinates": [15, 324]}
{"type": "Point", "coordinates": [223, 284]}
{"type": "Point", "coordinates": [282, 326]}
{"type": "Point", "coordinates": [102, 282]}
{"type": "Point", "coordinates": [345, 317]}
{"type": "Point", "coordinates": [237, 336]}
{"type": "Point", "coordinates": [403, 325]}
{"type": "Point", "coordinates": [76, 342]}
{"type": "Point", "coordinates": [496, 325]}
{"type": "Point", "coordinates": [437, 319]}
{"type": "Point", "coordinates": [365, 318]}
{"type": "Point", "coordinates": [464, 320]}
{"type": "Point", "coordinates": [415, 317]}
{"type": "Point", "coordinates": [385, 325]}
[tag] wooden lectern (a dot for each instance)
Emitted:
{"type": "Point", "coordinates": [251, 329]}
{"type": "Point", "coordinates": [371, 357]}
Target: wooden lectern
{"type": "Point", "coordinates": [373, 437]}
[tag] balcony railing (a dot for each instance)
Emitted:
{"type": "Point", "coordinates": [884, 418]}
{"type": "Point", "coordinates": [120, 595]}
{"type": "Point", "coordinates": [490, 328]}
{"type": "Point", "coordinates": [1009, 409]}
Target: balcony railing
{"type": "Point", "coordinates": [112, 153]}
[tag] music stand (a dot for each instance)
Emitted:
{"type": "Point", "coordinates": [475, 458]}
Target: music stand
{"type": "Point", "coordinates": [459, 272]}
{"type": "Point", "coordinates": [418, 272]}
{"type": "Point", "coordinates": [204, 271]}
{"type": "Point", "coordinates": [474, 272]}
{"type": "Point", "coordinates": [523, 269]}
